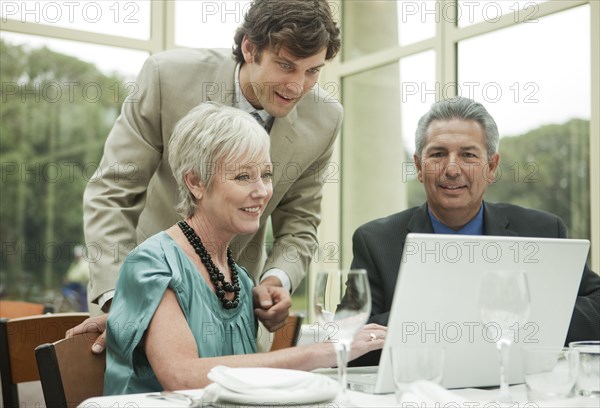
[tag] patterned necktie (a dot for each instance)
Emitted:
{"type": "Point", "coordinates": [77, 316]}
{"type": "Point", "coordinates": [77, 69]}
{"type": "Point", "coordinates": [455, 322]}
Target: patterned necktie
{"type": "Point", "coordinates": [259, 119]}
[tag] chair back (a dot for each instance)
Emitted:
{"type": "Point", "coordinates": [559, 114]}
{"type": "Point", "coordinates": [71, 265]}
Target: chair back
{"type": "Point", "coordinates": [70, 373]}
{"type": "Point", "coordinates": [18, 339]}
{"type": "Point", "coordinates": [287, 336]}
{"type": "Point", "coordinates": [10, 309]}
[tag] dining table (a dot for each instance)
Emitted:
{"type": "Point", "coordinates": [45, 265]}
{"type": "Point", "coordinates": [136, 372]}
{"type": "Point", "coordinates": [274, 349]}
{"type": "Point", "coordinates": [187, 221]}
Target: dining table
{"type": "Point", "coordinates": [467, 398]}
{"type": "Point", "coordinates": [421, 394]}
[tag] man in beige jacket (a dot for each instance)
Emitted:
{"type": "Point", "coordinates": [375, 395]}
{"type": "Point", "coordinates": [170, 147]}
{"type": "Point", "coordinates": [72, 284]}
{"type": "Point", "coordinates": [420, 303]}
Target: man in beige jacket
{"type": "Point", "coordinates": [279, 51]}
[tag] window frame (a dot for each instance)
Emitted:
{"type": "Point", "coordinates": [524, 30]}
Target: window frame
{"type": "Point", "coordinates": [445, 45]}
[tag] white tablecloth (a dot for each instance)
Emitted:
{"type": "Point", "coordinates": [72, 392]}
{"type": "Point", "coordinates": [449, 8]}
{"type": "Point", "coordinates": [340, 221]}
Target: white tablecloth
{"type": "Point", "coordinates": [475, 398]}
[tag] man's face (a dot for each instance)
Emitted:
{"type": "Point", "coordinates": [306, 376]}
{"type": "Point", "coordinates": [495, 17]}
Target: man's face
{"type": "Point", "coordinates": [279, 81]}
{"type": "Point", "coordinates": [454, 170]}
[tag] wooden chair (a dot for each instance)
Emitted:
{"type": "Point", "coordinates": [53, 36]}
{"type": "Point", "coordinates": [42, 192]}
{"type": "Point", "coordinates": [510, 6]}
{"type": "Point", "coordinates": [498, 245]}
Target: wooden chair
{"type": "Point", "coordinates": [288, 335]}
{"type": "Point", "coordinates": [18, 339]}
{"type": "Point", "coordinates": [70, 373]}
{"type": "Point", "coordinates": [10, 309]}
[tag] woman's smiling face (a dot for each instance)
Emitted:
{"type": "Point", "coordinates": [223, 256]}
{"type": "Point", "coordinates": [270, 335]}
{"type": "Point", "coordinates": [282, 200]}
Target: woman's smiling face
{"type": "Point", "coordinates": [237, 196]}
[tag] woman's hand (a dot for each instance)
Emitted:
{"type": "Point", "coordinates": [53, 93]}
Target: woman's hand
{"type": "Point", "coordinates": [370, 337]}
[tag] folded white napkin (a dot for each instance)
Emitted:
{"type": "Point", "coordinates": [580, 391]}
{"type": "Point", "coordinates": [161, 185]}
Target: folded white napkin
{"type": "Point", "coordinates": [258, 386]}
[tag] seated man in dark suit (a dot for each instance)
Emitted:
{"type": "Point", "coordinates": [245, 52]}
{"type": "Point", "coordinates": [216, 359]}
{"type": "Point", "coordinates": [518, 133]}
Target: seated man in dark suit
{"type": "Point", "coordinates": [456, 158]}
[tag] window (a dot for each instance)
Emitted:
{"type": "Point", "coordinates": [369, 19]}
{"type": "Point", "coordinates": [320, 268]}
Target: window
{"type": "Point", "coordinates": [505, 53]}
{"type": "Point", "coordinates": [117, 18]}
{"type": "Point", "coordinates": [471, 12]}
{"type": "Point", "coordinates": [61, 93]}
{"type": "Point", "coordinates": [418, 92]}
{"type": "Point", "coordinates": [208, 24]}
{"type": "Point", "coordinates": [372, 145]}
{"type": "Point", "coordinates": [531, 63]}
{"type": "Point", "coordinates": [401, 22]}
{"type": "Point", "coordinates": [59, 101]}
{"type": "Point", "coordinates": [541, 103]}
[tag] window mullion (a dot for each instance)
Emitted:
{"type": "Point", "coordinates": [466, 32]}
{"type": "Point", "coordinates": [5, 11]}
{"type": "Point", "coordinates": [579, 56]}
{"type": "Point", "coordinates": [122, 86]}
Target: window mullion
{"type": "Point", "coordinates": [445, 49]}
{"type": "Point", "coordinates": [594, 133]}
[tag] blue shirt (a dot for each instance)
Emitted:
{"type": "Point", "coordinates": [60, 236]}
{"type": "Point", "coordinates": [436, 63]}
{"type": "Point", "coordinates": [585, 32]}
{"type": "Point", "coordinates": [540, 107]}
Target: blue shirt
{"type": "Point", "coordinates": [473, 227]}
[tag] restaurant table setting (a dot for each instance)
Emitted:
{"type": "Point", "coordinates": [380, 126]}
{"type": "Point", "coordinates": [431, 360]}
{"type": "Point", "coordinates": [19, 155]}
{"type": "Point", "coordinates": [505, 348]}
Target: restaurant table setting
{"type": "Point", "coordinates": [554, 377]}
{"type": "Point", "coordinates": [270, 387]}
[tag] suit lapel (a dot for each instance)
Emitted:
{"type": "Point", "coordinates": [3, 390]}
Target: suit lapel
{"type": "Point", "coordinates": [420, 221]}
{"type": "Point", "coordinates": [494, 222]}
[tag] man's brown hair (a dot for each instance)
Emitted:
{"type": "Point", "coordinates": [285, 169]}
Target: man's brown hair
{"type": "Point", "coordinates": [301, 27]}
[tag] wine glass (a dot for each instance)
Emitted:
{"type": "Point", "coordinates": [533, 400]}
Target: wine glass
{"type": "Point", "coordinates": [504, 305]}
{"type": "Point", "coordinates": [342, 305]}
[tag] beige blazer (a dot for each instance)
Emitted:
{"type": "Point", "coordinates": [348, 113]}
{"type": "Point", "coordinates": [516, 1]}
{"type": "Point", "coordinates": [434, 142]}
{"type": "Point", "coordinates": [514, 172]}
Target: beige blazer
{"type": "Point", "coordinates": [133, 193]}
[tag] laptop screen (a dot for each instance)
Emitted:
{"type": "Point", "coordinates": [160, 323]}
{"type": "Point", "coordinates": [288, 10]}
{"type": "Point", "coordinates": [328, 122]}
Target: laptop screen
{"type": "Point", "coordinates": [437, 294]}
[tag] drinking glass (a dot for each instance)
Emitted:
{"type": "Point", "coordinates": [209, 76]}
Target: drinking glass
{"type": "Point", "coordinates": [416, 363]}
{"type": "Point", "coordinates": [550, 372]}
{"type": "Point", "coordinates": [588, 381]}
{"type": "Point", "coordinates": [504, 305]}
{"type": "Point", "coordinates": [342, 304]}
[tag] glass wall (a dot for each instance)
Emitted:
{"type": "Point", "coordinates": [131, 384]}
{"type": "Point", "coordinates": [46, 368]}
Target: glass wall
{"type": "Point", "coordinates": [66, 69]}
{"type": "Point", "coordinates": [207, 23]}
{"type": "Point", "coordinates": [419, 90]}
{"type": "Point", "coordinates": [129, 18]}
{"type": "Point", "coordinates": [372, 149]}
{"type": "Point", "coordinates": [400, 22]}
{"type": "Point", "coordinates": [532, 63]}
{"type": "Point", "coordinates": [471, 12]}
{"type": "Point", "coordinates": [59, 101]}
{"type": "Point", "coordinates": [539, 92]}
{"type": "Point", "coordinates": [529, 62]}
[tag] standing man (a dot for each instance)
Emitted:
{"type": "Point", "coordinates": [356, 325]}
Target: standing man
{"type": "Point", "coordinates": [456, 156]}
{"type": "Point", "coordinates": [279, 51]}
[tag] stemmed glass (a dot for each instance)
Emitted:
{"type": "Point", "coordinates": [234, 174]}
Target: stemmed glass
{"type": "Point", "coordinates": [504, 305]}
{"type": "Point", "coordinates": [342, 304]}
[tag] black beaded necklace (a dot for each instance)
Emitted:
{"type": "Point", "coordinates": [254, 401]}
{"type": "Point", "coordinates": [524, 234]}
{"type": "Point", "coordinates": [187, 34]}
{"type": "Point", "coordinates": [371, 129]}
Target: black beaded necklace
{"type": "Point", "coordinates": [216, 276]}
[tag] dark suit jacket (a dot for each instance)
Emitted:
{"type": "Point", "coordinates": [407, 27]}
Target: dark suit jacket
{"type": "Point", "coordinates": [377, 247]}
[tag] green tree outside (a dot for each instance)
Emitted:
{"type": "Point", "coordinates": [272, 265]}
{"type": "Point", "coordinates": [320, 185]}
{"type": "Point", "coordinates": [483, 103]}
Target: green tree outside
{"type": "Point", "coordinates": [55, 114]}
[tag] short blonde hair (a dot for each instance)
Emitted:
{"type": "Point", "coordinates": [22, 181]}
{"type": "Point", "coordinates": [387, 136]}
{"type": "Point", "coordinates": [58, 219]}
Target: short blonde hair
{"type": "Point", "coordinates": [212, 134]}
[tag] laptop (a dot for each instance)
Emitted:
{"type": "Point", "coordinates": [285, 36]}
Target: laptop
{"type": "Point", "coordinates": [436, 302]}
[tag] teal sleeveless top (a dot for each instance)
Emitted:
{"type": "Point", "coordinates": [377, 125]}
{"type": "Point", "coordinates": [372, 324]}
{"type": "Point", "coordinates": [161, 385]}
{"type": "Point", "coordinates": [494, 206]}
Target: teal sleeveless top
{"type": "Point", "coordinates": [155, 265]}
